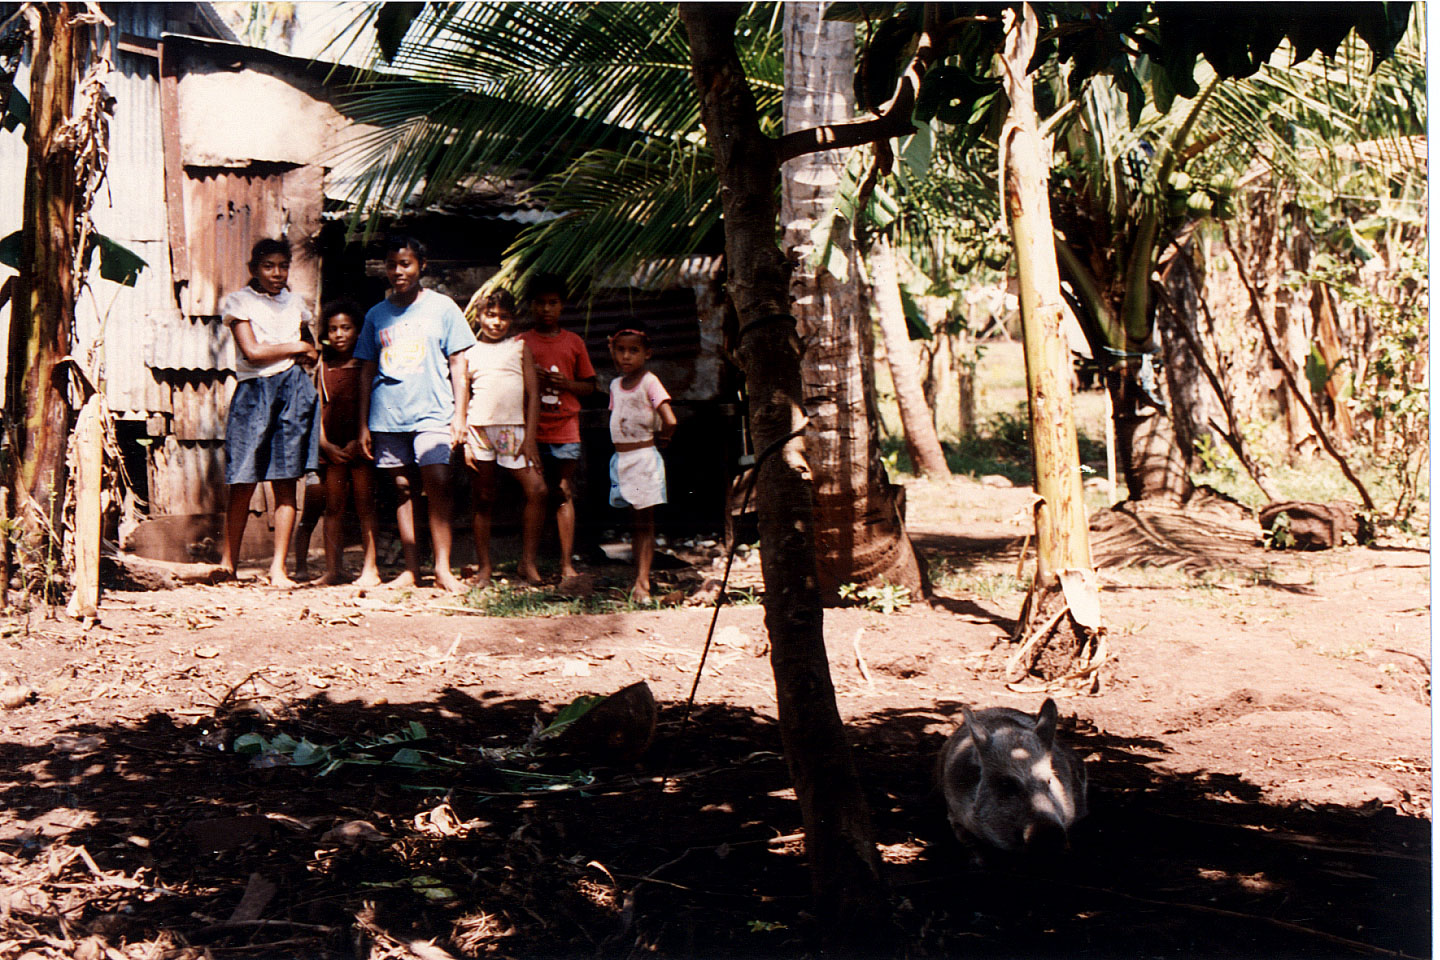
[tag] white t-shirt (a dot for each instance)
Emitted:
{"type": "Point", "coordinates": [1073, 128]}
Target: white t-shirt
{"type": "Point", "coordinates": [276, 319]}
{"type": "Point", "coordinates": [497, 383]}
{"type": "Point", "coordinates": [633, 417]}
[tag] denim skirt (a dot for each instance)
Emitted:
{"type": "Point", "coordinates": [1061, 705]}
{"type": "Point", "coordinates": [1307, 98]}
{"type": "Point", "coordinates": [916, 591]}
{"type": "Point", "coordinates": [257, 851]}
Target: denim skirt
{"type": "Point", "coordinates": [273, 429]}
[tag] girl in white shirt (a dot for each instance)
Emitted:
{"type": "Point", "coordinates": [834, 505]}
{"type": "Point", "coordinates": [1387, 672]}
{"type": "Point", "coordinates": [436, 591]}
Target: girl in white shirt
{"type": "Point", "coordinates": [501, 407]}
{"type": "Point", "coordinates": [272, 431]}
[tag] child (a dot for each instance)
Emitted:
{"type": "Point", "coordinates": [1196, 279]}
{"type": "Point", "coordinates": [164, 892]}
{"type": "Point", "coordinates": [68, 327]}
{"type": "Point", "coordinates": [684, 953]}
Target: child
{"type": "Point", "coordinates": [565, 375]}
{"type": "Point", "coordinates": [412, 386]}
{"type": "Point", "coordinates": [342, 464]}
{"type": "Point", "coordinates": [640, 420]}
{"type": "Point", "coordinates": [502, 409]}
{"type": "Point", "coordinates": [272, 431]}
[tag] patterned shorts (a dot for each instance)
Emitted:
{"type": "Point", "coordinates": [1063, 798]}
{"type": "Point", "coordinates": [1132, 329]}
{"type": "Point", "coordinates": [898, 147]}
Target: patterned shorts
{"type": "Point", "coordinates": [499, 442]}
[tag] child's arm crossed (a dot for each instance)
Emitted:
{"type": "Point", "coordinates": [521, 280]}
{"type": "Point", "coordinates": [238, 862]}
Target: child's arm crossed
{"type": "Point", "coordinates": [260, 354]}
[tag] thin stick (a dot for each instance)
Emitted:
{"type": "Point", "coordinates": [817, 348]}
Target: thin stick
{"type": "Point", "coordinates": [860, 658]}
{"type": "Point", "coordinates": [1290, 376]}
{"type": "Point", "coordinates": [1035, 637]}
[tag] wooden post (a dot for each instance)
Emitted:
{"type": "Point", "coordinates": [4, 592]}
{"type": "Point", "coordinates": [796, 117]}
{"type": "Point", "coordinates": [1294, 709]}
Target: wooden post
{"type": "Point", "coordinates": [89, 479]}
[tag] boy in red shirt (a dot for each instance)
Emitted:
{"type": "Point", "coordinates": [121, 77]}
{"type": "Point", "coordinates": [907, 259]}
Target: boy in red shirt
{"type": "Point", "coordinates": [562, 366]}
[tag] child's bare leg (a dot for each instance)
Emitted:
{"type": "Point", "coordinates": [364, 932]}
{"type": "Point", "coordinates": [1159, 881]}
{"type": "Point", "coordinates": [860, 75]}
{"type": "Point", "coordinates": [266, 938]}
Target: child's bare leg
{"type": "Point", "coordinates": [643, 546]}
{"type": "Point", "coordinates": [237, 514]}
{"type": "Point", "coordinates": [405, 520]}
{"type": "Point", "coordinates": [565, 517]}
{"type": "Point", "coordinates": [532, 483]}
{"type": "Point", "coordinates": [362, 482]}
{"type": "Point", "coordinates": [284, 527]}
{"type": "Point", "coordinates": [482, 487]}
{"type": "Point", "coordinates": [312, 508]}
{"type": "Point", "coordinates": [436, 478]}
{"type": "Point", "coordinates": [337, 485]}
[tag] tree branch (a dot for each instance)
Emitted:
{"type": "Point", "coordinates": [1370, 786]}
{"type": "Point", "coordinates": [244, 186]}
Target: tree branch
{"type": "Point", "coordinates": [896, 117]}
{"type": "Point", "coordinates": [1290, 376]}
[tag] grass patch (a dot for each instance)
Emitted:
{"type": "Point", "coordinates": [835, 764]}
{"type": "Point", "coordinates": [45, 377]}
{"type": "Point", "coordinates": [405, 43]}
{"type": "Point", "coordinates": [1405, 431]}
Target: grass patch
{"type": "Point", "coordinates": [1001, 446]}
{"type": "Point", "coordinates": [994, 586]}
{"type": "Point", "coordinates": [502, 599]}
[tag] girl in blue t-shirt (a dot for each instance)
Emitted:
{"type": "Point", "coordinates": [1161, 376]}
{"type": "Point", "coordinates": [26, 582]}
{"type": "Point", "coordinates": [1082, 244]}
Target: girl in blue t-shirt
{"type": "Point", "coordinates": [412, 385]}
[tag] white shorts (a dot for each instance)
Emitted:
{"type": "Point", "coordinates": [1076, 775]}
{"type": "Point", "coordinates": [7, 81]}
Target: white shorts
{"type": "Point", "coordinates": [499, 442]}
{"type": "Point", "coordinates": [637, 479]}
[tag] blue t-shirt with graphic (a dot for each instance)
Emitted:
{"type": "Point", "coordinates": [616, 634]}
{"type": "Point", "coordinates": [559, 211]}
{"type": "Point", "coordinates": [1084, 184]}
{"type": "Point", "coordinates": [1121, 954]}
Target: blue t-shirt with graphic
{"type": "Point", "coordinates": [412, 346]}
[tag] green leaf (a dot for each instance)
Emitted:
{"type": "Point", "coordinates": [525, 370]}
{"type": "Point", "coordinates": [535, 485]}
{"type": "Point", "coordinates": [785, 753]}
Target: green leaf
{"type": "Point", "coordinates": [284, 743]}
{"type": "Point", "coordinates": [417, 731]}
{"type": "Point", "coordinates": [10, 250]}
{"type": "Point", "coordinates": [118, 264]}
{"type": "Point", "coordinates": [571, 712]}
{"type": "Point", "coordinates": [408, 757]}
{"type": "Point", "coordinates": [915, 322]}
{"type": "Point", "coordinates": [248, 744]}
{"type": "Point", "coordinates": [916, 152]}
{"type": "Point", "coordinates": [17, 110]}
{"type": "Point", "coordinates": [307, 753]}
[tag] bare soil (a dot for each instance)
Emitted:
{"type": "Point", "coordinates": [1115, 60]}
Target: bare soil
{"type": "Point", "coordinates": [1259, 760]}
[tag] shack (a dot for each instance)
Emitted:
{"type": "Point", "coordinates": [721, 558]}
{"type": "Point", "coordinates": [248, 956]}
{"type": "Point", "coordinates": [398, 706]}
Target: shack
{"type": "Point", "coordinates": [214, 144]}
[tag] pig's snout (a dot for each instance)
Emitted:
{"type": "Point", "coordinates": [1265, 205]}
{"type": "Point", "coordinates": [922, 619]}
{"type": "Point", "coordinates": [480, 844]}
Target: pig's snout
{"type": "Point", "coordinates": [1046, 838]}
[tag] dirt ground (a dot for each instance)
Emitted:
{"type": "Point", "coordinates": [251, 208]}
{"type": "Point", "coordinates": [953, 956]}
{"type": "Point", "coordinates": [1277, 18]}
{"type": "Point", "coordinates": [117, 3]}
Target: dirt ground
{"type": "Point", "coordinates": [1259, 761]}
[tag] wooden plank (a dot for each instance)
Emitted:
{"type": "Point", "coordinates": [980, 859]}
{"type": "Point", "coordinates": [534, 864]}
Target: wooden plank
{"type": "Point", "coordinates": [174, 169]}
{"type": "Point", "coordinates": [89, 443]}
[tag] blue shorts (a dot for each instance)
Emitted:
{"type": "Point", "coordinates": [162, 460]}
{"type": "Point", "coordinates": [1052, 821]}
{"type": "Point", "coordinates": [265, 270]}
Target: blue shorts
{"type": "Point", "coordinates": [424, 447]}
{"type": "Point", "coordinates": [560, 451]}
{"type": "Point", "coordinates": [273, 429]}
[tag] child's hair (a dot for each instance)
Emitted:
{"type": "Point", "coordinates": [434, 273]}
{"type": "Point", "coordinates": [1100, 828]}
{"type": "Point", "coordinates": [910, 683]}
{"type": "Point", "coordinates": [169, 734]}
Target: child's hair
{"type": "Point", "coordinates": [334, 308]}
{"type": "Point", "coordinates": [399, 241]}
{"type": "Point", "coordinates": [266, 246]}
{"type": "Point", "coordinates": [633, 326]}
{"type": "Point", "coordinates": [545, 283]}
{"type": "Point", "coordinates": [482, 303]}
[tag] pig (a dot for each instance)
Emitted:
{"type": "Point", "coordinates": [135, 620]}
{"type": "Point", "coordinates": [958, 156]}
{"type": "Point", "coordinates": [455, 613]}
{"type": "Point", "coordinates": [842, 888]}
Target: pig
{"type": "Point", "coordinates": [1008, 784]}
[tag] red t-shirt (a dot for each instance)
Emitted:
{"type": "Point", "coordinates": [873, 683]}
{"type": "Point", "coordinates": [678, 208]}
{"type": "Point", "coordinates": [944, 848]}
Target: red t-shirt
{"type": "Point", "coordinates": [564, 353]}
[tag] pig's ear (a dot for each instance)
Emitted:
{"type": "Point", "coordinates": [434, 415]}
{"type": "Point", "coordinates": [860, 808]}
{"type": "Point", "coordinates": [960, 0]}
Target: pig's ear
{"type": "Point", "coordinates": [1045, 722]}
{"type": "Point", "coordinates": [978, 733]}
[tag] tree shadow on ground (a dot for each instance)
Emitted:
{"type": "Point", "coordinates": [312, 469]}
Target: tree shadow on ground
{"type": "Point", "coordinates": [692, 852]}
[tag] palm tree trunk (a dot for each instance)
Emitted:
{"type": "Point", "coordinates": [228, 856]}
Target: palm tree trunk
{"type": "Point", "coordinates": [839, 841]}
{"type": "Point", "coordinates": [860, 533]}
{"type": "Point", "coordinates": [43, 311]}
{"type": "Point", "coordinates": [915, 414]}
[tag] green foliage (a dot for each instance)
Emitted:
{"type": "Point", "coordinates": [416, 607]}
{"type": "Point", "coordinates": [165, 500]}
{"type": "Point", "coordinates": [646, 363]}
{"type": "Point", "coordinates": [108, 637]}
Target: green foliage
{"type": "Point", "coordinates": [881, 598]}
{"type": "Point", "coordinates": [118, 264]}
{"type": "Point", "coordinates": [1279, 535]}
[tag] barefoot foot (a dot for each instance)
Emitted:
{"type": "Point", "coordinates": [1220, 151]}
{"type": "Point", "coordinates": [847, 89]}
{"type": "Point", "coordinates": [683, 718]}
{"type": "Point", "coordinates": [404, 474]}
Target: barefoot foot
{"type": "Point", "coordinates": [406, 579]}
{"type": "Point", "coordinates": [368, 578]}
{"type": "Point", "coordinates": [448, 582]}
{"type": "Point", "coordinates": [640, 593]}
{"type": "Point", "coordinates": [531, 575]}
{"type": "Point", "coordinates": [280, 581]}
{"type": "Point", "coordinates": [481, 578]}
{"type": "Point", "coordinates": [330, 579]}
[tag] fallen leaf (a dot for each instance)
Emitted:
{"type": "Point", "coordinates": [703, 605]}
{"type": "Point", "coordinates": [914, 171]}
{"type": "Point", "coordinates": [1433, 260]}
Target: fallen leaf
{"type": "Point", "coordinates": [206, 653]}
{"type": "Point", "coordinates": [353, 832]}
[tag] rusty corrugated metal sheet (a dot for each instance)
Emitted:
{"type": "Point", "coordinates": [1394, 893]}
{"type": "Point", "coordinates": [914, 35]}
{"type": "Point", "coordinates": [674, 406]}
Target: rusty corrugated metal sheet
{"type": "Point", "coordinates": [186, 476]}
{"type": "Point", "coordinates": [226, 211]}
{"type": "Point", "coordinates": [198, 405]}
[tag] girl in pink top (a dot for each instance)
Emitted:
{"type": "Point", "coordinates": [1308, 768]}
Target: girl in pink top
{"type": "Point", "coordinates": [640, 421]}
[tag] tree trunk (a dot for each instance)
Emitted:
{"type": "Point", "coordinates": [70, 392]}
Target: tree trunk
{"type": "Point", "coordinates": [839, 842]}
{"type": "Point", "coordinates": [1064, 575]}
{"type": "Point", "coordinates": [859, 529]}
{"type": "Point", "coordinates": [1061, 534]}
{"type": "Point", "coordinates": [915, 415]}
{"type": "Point", "coordinates": [42, 315]}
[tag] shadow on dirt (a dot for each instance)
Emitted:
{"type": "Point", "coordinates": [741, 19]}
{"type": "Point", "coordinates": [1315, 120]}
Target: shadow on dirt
{"type": "Point", "coordinates": [691, 853]}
